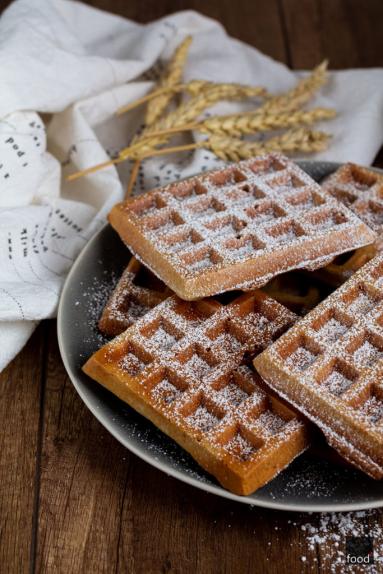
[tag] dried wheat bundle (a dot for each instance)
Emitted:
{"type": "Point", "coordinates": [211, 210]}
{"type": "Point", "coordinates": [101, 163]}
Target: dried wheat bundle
{"type": "Point", "coordinates": [189, 111]}
{"type": "Point", "coordinates": [224, 133]}
{"type": "Point", "coordinates": [192, 88]}
{"type": "Point", "coordinates": [300, 94]}
{"type": "Point", "coordinates": [298, 139]}
{"type": "Point", "coordinates": [171, 78]}
{"type": "Point", "coordinates": [237, 125]}
{"type": "Point", "coordinates": [232, 149]}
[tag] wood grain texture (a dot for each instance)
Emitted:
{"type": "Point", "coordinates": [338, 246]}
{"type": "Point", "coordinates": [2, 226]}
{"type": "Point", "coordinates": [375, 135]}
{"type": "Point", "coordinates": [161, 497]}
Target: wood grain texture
{"type": "Point", "coordinates": [72, 499]}
{"type": "Point", "coordinates": [20, 404]}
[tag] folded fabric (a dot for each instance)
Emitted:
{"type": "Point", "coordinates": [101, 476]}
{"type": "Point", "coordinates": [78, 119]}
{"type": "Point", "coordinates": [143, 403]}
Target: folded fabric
{"type": "Point", "coordinates": [64, 70]}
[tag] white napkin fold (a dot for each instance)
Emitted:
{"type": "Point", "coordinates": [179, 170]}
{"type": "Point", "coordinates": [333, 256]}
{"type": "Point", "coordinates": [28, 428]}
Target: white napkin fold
{"type": "Point", "coordinates": [80, 64]}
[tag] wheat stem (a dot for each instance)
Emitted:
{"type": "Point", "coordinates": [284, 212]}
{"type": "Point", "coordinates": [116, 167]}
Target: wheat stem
{"type": "Point", "coordinates": [148, 97]}
{"type": "Point", "coordinates": [193, 88]}
{"type": "Point", "coordinates": [299, 139]}
{"type": "Point", "coordinates": [133, 177]}
{"type": "Point", "coordinates": [171, 78]}
{"type": "Point", "coordinates": [249, 122]}
{"type": "Point", "coordinates": [94, 168]}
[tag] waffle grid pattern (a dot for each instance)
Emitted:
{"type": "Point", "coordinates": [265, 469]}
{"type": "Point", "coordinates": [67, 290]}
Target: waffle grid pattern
{"type": "Point", "coordinates": [361, 190]}
{"type": "Point", "coordinates": [230, 214]}
{"type": "Point", "coordinates": [190, 363]}
{"type": "Point", "coordinates": [335, 355]}
{"type": "Point", "coordinates": [129, 300]}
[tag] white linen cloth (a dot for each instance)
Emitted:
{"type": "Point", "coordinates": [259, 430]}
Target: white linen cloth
{"type": "Point", "coordinates": [76, 65]}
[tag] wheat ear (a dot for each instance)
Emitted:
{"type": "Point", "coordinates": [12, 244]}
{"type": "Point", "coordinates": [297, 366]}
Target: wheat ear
{"type": "Point", "coordinates": [230, 149]}
{"type": "Point", "coordinates": [190, 110]}
{"type": "Point", "coordinates": [171, 78]}
{"type": "Point", "coordinates": [251, 122]}
{"type": "Point", "coordinates": [300, 94]}
{"type": "Point", "coordinates": [299, 139]}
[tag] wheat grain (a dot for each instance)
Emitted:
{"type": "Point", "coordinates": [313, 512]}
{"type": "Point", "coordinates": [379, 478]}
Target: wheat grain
{"type": "Point", "coordinates": [300, 94]}
{"type": "Point", "coordinates": [249, 123]}
{"type": "Point", "coordinates": [192, 88]}
{"type": "Point", "coordinates": [277, 112]}
{"type": "Point", "coordinates": [189, 111]}
{"type": "Point", "coordinates": [300, 139]}
{"type": "Point", "coordinates": [171, 78]}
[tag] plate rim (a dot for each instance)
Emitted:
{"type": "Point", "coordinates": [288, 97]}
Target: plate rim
{"type": "Point", "coordinates": [152, 460]}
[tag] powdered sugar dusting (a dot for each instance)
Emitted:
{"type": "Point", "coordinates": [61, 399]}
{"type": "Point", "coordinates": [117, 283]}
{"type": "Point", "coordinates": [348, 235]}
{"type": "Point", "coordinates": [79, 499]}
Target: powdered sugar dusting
{"type": "Point", "coordinates": [304, 362]}
{"type": "Point", "coordinates": [327, 538]}
{"type": "Point", "coordinates": [202, 419]}
{"type": "Point", "coordinates": [198, 379]}
{"type": "Point", "coordinates": [367, 354]}
{"type": "Point", "coordinates": [332, 330]}
{"type": "Point", "coordinates": [166, 392]}
{"type": "Point", "coordinates": [360, 189]}
{"type": "Point", "coordinates": [129, 301]}
{"type": "Point", "coordinates": [231, 394]}
{"type": "Point", "coordinates": [337, 383]}
{"type": "Point", "coordinates": [254, 213]}
{"type": "Point", "coordinates": [239, 447]}
{"type": "Point", "coordinates": [301, 359]}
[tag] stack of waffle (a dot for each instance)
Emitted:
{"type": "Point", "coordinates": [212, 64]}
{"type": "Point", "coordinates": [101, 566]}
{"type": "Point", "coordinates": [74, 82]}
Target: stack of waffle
{"type": "Point", "coordinates": [239, 379]}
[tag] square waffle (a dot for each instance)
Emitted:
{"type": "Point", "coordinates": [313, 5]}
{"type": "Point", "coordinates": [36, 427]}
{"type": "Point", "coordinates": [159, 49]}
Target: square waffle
{"type": "Point", "coordinates": [185, 366]}
{"type": "Point", "coordinates": [136, 292]}
{"type": "Point", "coordinates": [361, 190]}
{"type": "Point", "coordinates": [329, 365]}
{"type": "Point", "coordinates": [236, 228]}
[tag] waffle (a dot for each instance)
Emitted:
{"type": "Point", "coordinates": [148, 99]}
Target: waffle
{"type": "Point", "coordinates": [186, 367]}
{"type": "Point", "coordinates": [329, 365]}
{"type": "Point", "coordinates": [361, 190]}
{"type": "Point", "coordinates": [236, 228]}
{"type": "Point", "coordinates": [344, 266]}
{"type": "Point", "coordinates": [130, 299]}
{"type": "Point", "coordinates": [295, 291]}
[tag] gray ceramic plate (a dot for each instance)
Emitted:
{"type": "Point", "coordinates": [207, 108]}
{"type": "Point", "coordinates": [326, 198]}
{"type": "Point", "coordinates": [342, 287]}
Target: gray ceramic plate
{"type": "Point", "coordinates": [309, 484]}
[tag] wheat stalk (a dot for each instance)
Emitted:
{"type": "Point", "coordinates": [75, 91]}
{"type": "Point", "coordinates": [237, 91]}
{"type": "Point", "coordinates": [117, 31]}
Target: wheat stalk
{"type": "Point", "coordinates": [277, 112]}
{"type": "Point", "coordinates": [300, 94]}
{"type": "Point", "coordinates": [251, 122]}
{"type": "Point", "coordinates": [189, 111]}
{"type": "Point", "coordinates": [230, 149]}
{"type": "Point", "coordinates": [299, 139]}
{"type": "Point", "coordinates": [171, 78]}
{"type": "Point", "coordinates": [244, 124]}
{"type": "Point", "coordinates": [192, 88]}
{"type": "Point", "coordinates": [133, 177]}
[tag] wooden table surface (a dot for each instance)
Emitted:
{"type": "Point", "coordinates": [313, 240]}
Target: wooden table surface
{"type": "Point", "coordinates": [72, 499]}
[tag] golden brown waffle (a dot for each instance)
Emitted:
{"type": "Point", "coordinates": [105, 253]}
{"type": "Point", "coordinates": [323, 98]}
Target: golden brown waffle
{"type": "Point", "coordinates": [329, 365]}
{"type": "Point", "coordinates": [237, 228]}
{"type": "Point", "coordinates": [295, 291]}
{"type": "Point", "coordinates": [361, 190]}
{"type": "Point", "coordinates": [344, 266]}
{"type": "Point", "coordinates": [185, 367]}
{"type": "Point", "coordinates": [131, 299]}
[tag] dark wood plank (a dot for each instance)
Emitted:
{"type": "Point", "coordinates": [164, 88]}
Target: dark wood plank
{"type": "Point", "coordinates": [82, 485]}
{"type": "Point", "coordinates": [345, 32]}
{"type": "Point", "coordinates": [20, 388]}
